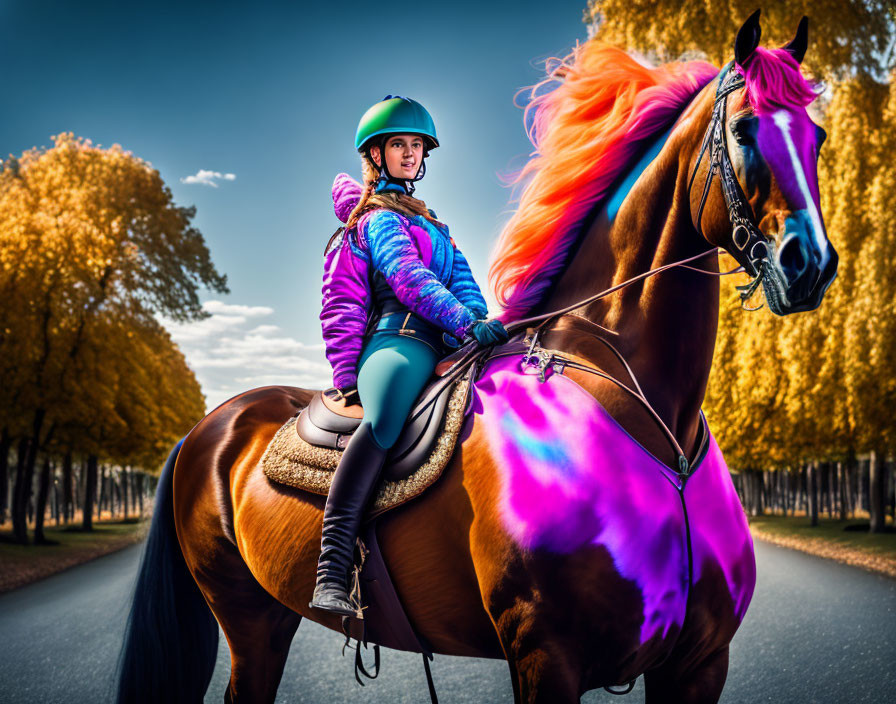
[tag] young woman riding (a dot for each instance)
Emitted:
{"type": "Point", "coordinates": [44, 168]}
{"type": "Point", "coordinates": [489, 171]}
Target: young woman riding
{"type": "Point", "coordinates": [422, 300]}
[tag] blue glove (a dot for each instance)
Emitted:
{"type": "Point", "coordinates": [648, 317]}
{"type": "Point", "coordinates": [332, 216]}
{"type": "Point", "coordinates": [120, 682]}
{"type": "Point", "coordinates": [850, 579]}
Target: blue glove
{"type": "Point", "coordinates": [489, 332]}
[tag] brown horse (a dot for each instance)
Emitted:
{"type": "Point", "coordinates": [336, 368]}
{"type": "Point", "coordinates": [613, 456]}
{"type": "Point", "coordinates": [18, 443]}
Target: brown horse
{"type": "Point", "coordinates": [566, 621]}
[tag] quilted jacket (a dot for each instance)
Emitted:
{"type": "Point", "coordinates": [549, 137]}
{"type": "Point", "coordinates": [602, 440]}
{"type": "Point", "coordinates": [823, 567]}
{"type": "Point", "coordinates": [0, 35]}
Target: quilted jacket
{"type": "Point", "coordinates": [419, 260]}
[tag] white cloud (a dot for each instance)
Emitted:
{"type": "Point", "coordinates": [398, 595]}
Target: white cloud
{"type": "Point", "coordinates": [234, 350]}
{"type": "Point", "coordinates": [221, 308]}
{"type": "Point", "coordinates": [208, 178]}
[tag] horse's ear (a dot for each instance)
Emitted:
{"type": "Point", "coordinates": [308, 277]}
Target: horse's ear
{"type": "Point", "coordinates": [800, 42]}
{"type": "Point", "coordinates": [747, 39]}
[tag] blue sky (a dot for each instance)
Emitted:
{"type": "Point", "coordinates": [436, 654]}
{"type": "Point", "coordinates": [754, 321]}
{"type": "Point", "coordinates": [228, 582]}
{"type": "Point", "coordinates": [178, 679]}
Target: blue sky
{"type": "Point", "coordinates": [271, 94]}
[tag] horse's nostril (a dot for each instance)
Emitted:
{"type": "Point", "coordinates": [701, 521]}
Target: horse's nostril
{"type": "Point", "coordinates": [793, 257]}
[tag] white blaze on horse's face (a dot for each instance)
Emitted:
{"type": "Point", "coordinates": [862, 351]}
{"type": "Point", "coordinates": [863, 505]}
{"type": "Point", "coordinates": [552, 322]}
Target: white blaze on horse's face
{"type": "Point", "coordinates": [788, 142]}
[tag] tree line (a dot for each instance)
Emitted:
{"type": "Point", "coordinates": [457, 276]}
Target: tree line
{"type": "Point", "coordinates": [802, 406]}
{"type": "Point", "coordinates": [92, 249]}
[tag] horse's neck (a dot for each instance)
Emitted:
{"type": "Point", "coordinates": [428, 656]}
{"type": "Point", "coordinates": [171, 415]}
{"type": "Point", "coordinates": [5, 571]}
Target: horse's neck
{"type": "Point", "coordinates": [667, 324]}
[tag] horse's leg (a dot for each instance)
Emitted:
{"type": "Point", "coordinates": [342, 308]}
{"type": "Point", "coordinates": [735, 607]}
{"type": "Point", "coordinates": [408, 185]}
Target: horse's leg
{"type": "Point", "coordinates": [543, 667]}
{"type": "Point", "coordinates": [699, 683]}
{"type": "Point", "coordinates": [541, 672]}
{"type": "Point", "coordinates": [258, 627]}
{"type": "Point", "coordinates": [259, 631]}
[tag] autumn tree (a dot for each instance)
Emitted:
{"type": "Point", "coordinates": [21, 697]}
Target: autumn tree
{"type": "Point", "coordinates": [83, 230]}
{"type": "Point", "coordinates": [870, 315]}
{"type": "Point", "coordinates": [846, 37]}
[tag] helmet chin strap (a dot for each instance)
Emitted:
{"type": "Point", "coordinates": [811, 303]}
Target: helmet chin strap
{"type": "Point", "coordinates": [406, 184]}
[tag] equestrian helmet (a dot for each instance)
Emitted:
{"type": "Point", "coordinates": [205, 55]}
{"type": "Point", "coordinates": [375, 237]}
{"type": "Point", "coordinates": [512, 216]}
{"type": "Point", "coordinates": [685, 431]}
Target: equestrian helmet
{"type": "Point", "coordinates": [395, 115]}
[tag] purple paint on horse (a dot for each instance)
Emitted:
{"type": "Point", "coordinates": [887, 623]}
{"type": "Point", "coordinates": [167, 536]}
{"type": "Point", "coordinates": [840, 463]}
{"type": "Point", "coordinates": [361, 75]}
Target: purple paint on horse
{"type": "Point", "coordinates": [572, 476]}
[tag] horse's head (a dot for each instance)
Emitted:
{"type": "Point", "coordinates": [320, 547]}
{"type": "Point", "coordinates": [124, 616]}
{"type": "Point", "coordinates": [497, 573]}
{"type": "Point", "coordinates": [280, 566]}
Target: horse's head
{"type": "Point", "coordinates": [763, 146]}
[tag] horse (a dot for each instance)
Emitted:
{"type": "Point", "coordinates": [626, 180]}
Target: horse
{"type": "Point", "coordinates": [624, 181]}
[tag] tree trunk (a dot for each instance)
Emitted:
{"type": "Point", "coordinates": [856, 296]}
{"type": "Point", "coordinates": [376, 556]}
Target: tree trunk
{"type": "Point", "coordinates": [41, 509]}
{"type": "Point", "coordinates": [760, 492]}
{"type": "Point", "coordinates": [841, 491]}
{"type": "Point", "coordinates": [5, 445]}
{"type": "Point", "coordinates": [140, 490]}
{"type": "Point", "coordinates": [104, 491]}
{"type": "Point", "coordinates": [56, 503]}
{"type": "Point", "coordinates": [124, 491]}
{"type": "Point", "coordinates": [804, 490]}
{"type": "Point", "coordinates": [829, 497]}
{"type": "Point", "coordinates": [68, 507]}
{"type": "Point", "coordinates": [813, 493]}
{"type": "Point", "coordinates": [89, 493]}
{"type": "Point", "coordinates": [20, 495]}
{"type": "Point", "coordinates": [892, 490]}
{"type": "Point", "coordinates": [78, 486]}
{"type": "Point", "coordinates": [115, 487]}
{"type": "Point", "coordinates": [877, 491]}
{"type": "Point", "coordinates": [864, 488]}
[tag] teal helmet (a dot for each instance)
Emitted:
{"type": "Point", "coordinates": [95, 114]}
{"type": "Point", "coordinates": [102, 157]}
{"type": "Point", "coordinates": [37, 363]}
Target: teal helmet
{"type": "Point", "coordinates": [395, 115]}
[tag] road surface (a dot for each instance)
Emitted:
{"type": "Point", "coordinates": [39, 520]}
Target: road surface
{"type": "Point", "coordinates": [817, 631]}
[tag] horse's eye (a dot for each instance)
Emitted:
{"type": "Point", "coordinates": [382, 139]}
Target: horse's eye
{"type": "Point", "coordinates": [744, 129]}
{"type": "Point", "coordinates": [820, 137]}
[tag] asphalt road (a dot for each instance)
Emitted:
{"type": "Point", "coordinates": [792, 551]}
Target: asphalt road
{"type": "Point", "coordinates": [816, 631]}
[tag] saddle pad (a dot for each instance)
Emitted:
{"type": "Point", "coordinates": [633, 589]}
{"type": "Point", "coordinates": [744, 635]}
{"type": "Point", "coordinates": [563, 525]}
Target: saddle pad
{"type": "Point", "coordinates": [290, 460]}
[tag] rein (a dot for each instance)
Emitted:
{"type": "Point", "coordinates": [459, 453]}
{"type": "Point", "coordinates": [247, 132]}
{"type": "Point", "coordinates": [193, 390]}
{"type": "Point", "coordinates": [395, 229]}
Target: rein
{"type": "Point", "coordinates": [472, 353]}
{"type": "Point", "coordinates": [544, 358]}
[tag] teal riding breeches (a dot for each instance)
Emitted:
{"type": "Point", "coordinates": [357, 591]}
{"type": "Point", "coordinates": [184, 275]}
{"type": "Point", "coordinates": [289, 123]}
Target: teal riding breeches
{"type": "Point", "coordinates": [392, 371]}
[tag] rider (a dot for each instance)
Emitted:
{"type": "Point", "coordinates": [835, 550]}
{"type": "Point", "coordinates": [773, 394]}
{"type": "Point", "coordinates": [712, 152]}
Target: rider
{"type": "Point", "coordinates": [424, 301]}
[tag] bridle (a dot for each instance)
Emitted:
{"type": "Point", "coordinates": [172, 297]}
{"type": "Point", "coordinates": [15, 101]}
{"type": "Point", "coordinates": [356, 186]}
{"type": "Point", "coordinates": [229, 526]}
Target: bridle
{"type": "Point", "coordinates": [751, 247]}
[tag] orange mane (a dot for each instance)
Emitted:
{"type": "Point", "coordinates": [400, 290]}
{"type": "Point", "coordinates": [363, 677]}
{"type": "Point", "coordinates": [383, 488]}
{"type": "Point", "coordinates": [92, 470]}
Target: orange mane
{"type": "Point", "coordinates": [585, 132]}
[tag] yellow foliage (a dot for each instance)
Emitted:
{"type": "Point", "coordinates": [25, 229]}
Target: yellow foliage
{"type": "Point", "coordinates": [844, 36]}
{"type": "Point", "coordinates": [91, 247]}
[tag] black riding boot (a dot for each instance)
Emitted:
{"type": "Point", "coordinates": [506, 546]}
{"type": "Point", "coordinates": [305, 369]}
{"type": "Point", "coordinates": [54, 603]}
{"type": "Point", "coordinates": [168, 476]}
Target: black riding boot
{"type": "Point", "coordinates": [353, 484]}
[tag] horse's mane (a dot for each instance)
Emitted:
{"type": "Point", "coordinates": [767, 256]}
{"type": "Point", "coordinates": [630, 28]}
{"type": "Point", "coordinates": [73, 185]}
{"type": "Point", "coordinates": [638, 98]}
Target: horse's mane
{"type": "Point", "coordinates": [585, 131]}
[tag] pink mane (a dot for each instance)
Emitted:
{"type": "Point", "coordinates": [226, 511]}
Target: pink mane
{"type": "Point", "coordinates": [773, 81]}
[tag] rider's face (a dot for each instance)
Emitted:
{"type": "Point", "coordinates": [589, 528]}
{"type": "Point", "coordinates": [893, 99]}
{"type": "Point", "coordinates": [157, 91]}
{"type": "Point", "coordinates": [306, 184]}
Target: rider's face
{"type": "Point", "coordinates": [404, 153]}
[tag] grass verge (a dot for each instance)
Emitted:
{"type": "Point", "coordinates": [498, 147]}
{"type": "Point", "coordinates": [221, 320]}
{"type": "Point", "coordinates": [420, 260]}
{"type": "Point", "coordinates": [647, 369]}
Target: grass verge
{"type": "Point", "coordinates": [70, 546]}
{"type": "Point", "coordinates": [844, 541]}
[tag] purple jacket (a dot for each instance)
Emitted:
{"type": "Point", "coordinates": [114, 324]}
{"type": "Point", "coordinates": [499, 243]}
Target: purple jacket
{"type": "Point", "coordinates": [416, 258]}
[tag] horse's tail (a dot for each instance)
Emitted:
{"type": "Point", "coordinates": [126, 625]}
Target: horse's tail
{"type": "Point", "coordinates": [171, 639]}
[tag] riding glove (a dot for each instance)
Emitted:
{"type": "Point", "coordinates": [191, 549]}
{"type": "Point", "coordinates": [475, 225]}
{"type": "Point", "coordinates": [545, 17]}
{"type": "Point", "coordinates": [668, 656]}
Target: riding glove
{"type": "Point", "coordinates": [489, 332]}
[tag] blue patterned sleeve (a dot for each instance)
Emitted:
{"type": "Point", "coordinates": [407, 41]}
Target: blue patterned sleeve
{"type": "Point", "coordinates": [393, 252]}
{"type": "Point", "coordinates": [464, 286]}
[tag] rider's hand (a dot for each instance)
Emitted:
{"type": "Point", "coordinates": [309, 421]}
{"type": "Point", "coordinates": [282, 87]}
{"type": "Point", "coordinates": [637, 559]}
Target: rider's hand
{"type": "Point", "coordinates": [489, 332]}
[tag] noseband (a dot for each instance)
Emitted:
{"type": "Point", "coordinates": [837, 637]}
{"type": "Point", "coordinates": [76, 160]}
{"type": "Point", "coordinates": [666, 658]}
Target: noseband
{"type": "Point", "coordinates": [750, 246]}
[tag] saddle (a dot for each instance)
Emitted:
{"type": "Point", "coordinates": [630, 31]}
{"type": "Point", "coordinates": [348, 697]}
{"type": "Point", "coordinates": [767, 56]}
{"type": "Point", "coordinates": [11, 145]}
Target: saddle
{"type": "Point", "coordinates": [320, 425]}
{"type": "Point", "coordinates": [306, 450]}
